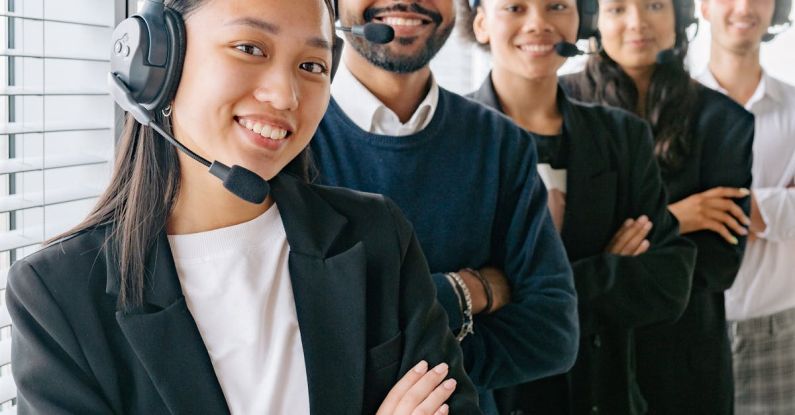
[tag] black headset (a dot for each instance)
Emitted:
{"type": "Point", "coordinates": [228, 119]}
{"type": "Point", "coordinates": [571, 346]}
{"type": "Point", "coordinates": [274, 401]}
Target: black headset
{"type": "Point", "coordinates": [149, 50]}
{"type": "Point", "coordinates": [780, 21]}
{"type": "Point", "coordinates": [685, 16]}
{"type": "Point", "coordinates": [588, 11]}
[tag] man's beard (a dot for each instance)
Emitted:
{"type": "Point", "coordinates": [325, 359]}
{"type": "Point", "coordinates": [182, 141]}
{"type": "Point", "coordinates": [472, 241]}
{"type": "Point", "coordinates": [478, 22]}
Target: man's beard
{"type": "Point", "coordinates": [382, 57]}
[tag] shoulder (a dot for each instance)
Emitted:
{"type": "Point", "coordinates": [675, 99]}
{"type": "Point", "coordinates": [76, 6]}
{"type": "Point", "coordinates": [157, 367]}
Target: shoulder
{"type": "Point", "coordinates": [573, 83]}
{"type": "Point", "coordinates": [784, 92]}
{"type": "Point", "coordinates": [63, 268]}
{"type": "Point", "coordinates": [363, 210]}
{"type": "Point", "coordinates": [721, 122]}
{"type": "Point", "coordinates": [716, 107]}
{"type": "Point", "coordinates": [475, 118]}
{"type": "Point", "coordinates": [626, 131]}
{"type": "Point", "coordinates": [348, 201]}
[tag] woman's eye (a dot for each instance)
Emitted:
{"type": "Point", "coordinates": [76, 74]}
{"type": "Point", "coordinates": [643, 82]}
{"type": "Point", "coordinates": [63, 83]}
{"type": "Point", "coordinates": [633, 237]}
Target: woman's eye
{"type": "Point", "coordinates": [314, 67]}
{"type": "Point", "coordinates": [250, 50]}
{"type": "Point", "coordinates": [513, 8]}
{"type": "Point", "coordinates": [558, 7]}
{"type": "Point", "coordinates": [614, 10]}
{"type": "Point", "coordinates": [656, 6]}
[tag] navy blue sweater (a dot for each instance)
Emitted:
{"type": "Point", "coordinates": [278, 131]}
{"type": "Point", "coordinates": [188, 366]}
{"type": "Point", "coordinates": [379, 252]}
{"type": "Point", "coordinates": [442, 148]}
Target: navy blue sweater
{"type": "Point", "coordinates": [469, 185]}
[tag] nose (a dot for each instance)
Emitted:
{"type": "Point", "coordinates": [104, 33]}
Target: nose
{"type": "Point", "coordinates": [636, 18]}
{"type": "Point", "coordinates": [535, 22]}
{"type": "Point", "coordinates": [279, 88]}
{"type": "Point", "coordinates": [742, 7]}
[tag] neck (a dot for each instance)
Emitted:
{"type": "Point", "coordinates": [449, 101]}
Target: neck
{"type": "Point", "coordinates": [401, 93]}
{"type": "Point", "coordinates": [539, 114]}
{"type": "Point", "coordinates": [204, 204]}
{"type": "Point", "coordinates": [738, 73]}
{"type": "Point", "coordinates": [642, 78]}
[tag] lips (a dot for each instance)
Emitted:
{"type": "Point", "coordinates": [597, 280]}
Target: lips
{"type": "Point", "coordinates": [538, 48]}
{"type": "Point", "coordinates": [742, 24]}
{"type": "Point", "coordinates": [267, 129]}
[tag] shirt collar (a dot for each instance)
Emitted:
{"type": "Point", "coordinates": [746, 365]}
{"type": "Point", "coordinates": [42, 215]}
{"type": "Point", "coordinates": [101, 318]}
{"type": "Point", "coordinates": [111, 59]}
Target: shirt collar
{"type": "Point", "coordinates": [767, 87]}
{"type": "Point", "coordinates": [370, 114]}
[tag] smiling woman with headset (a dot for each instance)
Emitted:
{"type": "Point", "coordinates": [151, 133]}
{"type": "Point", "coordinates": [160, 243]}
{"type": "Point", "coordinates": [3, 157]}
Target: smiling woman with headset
{"type": "Point", "coordinates": [183, 294]}
{"type": "Point", "coordinates": [631, 268]}
{"type": "Point", "coordinates": [703, 143]}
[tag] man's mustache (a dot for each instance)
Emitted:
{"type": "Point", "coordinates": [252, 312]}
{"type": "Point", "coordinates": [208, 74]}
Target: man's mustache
{"type": "Point", "coordinates": [370, 13]}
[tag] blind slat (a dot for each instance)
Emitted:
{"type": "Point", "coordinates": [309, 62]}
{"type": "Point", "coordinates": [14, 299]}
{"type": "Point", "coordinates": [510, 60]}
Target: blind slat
{"type": "Point", "coordinates": [5, 347]}
{"type": "Point", "coordinates": [8, 390]}
{"type": "Point", "coordinates": [20, 54]}
{"type": "Point", "coordinates": [16, 239]}
{"type": "Point", "coordinates": [52, 127]}
{"type": "Point", "coordinates": [20, 91]}
{"type": "Point", "coordinates": [48, 163]}
{"type": "Point", "coordinates": [43, 19]}
{"type": "Point", "coordinates": [52, 197]}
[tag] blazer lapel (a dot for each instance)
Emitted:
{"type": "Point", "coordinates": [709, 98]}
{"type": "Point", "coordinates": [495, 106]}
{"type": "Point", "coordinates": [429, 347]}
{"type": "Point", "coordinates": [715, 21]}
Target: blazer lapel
{"type": "Point", "coordinates": [165, 338]}
{"type": "Point", "coordinates": [330, 290]}
{"type": "Point", "coordinates": [590, 184]}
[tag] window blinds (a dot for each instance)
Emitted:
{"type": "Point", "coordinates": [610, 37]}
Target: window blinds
{"type": "Point", "coordinates": [57, 129]}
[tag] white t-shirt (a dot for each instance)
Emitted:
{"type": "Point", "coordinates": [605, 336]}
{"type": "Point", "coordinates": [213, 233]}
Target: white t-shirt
{"type": "Point", "coordinates": [237, 286]}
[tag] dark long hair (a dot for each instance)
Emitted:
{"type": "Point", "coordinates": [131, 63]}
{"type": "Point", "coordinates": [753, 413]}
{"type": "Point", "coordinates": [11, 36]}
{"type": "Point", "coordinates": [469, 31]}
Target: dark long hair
{"type": "Point", "coordinates": [142, 192]}
{"type": "Point", "coordinates": [670, 102]}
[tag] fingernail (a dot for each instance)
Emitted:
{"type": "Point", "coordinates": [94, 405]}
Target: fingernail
{"type": "Point", "coordinates": [643, 218]}
{"type": "Point", "coordinates": [444, 409]}
{"type": "Point", "coordinates": [744, 191]}
{"type": "Point", "coordinates": [449, 384]}
{"type": "Point", "coordinates": [421, 367]}
{"type": "Point", "coordinates": [743, 231]}
{"type": "Point", "coordinates": [647, 226]}
{"type": "Point", "coordinates": [747, 221]}
{"type": "Point", "coordinates": [441, 368]}
{"type": "Point", "coordinates": [733, 241]}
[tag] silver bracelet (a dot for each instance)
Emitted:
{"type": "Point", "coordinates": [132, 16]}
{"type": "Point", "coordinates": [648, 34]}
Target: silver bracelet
{"type": "Point", "coordinates": [461, 290]}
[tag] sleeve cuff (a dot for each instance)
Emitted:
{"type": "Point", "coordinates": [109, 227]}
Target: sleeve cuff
{"type": "Point", "coordinates": [448, 300]}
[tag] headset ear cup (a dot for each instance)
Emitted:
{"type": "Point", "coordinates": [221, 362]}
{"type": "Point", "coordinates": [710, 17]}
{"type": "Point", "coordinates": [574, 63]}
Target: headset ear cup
{"type": "Point", "coordinates": [177, 43]}
{"type": "Point", "coordinates": [781, 12]}
{"type": "Point", "coordinates": [336, 55]}
{"type": "Point", "coordinates": [588, 12]}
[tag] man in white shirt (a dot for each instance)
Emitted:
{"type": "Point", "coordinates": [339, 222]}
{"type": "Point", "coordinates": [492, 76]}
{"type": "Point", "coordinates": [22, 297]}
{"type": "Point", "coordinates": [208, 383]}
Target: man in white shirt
{"type": "Point", "coordinates": [761, 304]}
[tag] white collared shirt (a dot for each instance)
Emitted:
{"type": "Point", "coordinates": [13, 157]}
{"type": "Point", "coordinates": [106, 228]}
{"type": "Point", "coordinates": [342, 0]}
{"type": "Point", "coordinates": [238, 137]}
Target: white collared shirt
{"type": "Point", "coordinates": [236, 282]}
{"type": "Point", "coordinates": [371, 115]}
{"type": "Point", "coordinates": [765, 283]}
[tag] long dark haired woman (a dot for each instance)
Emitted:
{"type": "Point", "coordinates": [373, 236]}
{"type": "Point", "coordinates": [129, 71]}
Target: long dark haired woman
{"type": "Point", "coordinates": [703, 143]}
{"type": "Point", "coordinates": [176, 296]}
{"type": "Point", "coordinates": [631, 268]}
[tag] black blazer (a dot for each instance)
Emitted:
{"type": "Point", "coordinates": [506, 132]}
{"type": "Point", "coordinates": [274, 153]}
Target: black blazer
{"type": "Point", "coordinates": [365, 302]}
{"type": "Point", "coordinates": [612, 176]}
{"type": "Point", "coordinates": [686, 367]}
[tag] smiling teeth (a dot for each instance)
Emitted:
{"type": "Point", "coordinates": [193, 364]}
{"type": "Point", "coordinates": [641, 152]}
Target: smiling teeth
{"type": "Point", "coordinates": [399, 21]}
{"type": "Point", "coordinates": [267, 131]}
{"type": "Point", "coordinates": [536, 48]}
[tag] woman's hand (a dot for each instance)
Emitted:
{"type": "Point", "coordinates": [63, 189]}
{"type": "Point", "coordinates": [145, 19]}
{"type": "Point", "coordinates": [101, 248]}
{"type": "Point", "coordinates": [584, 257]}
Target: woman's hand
{"type": "Point", "coordinates": [713, 210]}
{"type": "Point", "coordinates": [420, 392]}
{"type": "Point", "coordinates": [500, 290]}
{"type": "Point", "coordinates": [630, 239]}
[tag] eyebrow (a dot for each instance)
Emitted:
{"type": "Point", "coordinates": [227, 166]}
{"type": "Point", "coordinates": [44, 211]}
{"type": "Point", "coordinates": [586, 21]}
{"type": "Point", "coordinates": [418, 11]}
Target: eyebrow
{"type": "Point", "coordinates": [256, 23]}
{"type": "Point", "coordinates": [259, 24]}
